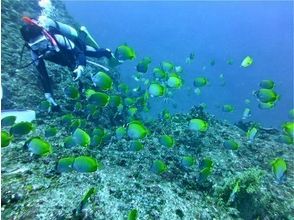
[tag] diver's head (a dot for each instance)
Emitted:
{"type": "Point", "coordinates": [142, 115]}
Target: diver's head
{"type": "Point", "coordinates": [30, 32]}
{"type": "Point", "coordinates": [35, 39]}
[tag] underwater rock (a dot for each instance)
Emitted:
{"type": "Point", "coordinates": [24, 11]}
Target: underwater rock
{"type": "Point", "coordinates": [244, 125]}
{"type": "Point", "coordinates": [11, 197]}
{"type": "Point", "coordinates": [180, 213]}
{"type": "Point", "coordinates": [198, 112]}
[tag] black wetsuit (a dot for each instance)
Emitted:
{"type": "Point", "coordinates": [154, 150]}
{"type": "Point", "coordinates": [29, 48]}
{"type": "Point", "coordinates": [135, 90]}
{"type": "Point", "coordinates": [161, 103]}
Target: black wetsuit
{"type": "Point", "coordinates": [71, 54]}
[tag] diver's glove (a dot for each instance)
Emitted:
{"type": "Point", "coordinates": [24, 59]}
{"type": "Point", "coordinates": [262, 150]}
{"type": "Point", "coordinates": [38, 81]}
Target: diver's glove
{"type": "Point", "coordinates": [78, 71]}
{"type": "Point", "coordinates": [50, 99]}
{"type": "Point", "coordinates": [54, 106]}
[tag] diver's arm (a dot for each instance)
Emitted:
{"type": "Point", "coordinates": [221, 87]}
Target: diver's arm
{"type": "Point", "coordinates": [80, 56]}
{"type": "Point", "coordinates": [80, 62]}
{"type": "Point", "coordinates": [67, 44]}
{"type": "Point", "coordinates": [43, 74]}
{"type": "Point", "coordinates": [44, 78]}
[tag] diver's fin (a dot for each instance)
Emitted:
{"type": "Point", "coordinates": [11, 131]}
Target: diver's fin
{"type": "Point", "coordinates": [98, 65]}
{"type": "Point", "coordinates": [89, 40]}
{"type": "Point", "coordinates": [113, 62]}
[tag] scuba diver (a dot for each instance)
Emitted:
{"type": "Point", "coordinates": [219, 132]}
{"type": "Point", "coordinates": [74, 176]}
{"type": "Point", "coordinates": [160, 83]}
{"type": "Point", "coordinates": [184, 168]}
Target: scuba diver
{"type": "Point", "coordinates": [60, 44]}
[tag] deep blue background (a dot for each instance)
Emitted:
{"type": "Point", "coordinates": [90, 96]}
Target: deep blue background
{"type": "Point", "coordinates": [213, 30]}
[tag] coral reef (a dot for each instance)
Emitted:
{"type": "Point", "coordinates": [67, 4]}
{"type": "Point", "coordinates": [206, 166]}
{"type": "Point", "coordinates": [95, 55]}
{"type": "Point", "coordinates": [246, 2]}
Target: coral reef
{"type": "Point", "coordinates": [31, 188]}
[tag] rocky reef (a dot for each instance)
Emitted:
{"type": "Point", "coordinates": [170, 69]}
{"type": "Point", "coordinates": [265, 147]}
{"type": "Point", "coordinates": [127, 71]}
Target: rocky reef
{"type": "Point", "coordinates": [32, 189]}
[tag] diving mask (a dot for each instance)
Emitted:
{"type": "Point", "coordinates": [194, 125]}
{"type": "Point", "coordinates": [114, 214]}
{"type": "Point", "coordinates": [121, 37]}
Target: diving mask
{"type": "Point", "coordinates": [40, 44]}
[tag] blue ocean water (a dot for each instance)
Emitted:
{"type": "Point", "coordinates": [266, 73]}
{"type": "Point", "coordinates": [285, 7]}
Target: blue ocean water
{"type": "Point", "coordinates": [212, 30]}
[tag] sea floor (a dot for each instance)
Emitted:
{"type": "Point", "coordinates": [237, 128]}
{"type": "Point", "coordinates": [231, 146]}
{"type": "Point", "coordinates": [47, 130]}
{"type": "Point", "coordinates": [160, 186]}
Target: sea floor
{"type": "Point", "coordinates": [32, 189]}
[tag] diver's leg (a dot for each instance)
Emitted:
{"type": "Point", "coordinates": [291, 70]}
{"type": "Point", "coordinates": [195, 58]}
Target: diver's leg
{"type": "Point", "coordinates": [101, 52]}
{"type": "Point", "coordinates": [98, 53]}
